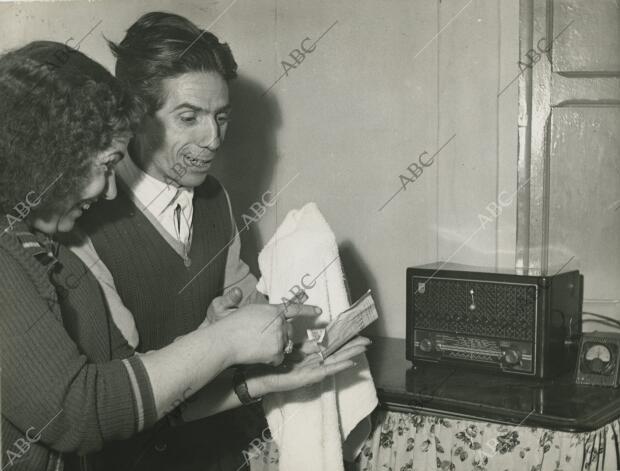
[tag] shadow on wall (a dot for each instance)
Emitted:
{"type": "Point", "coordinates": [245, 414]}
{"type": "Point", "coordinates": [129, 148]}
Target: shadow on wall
{"type": "Point", "coordinates": [359, 279]}
{"type": "Point", "coordinates": [247, 160]}
{"type": "Point", "coordinates": [246, 167]}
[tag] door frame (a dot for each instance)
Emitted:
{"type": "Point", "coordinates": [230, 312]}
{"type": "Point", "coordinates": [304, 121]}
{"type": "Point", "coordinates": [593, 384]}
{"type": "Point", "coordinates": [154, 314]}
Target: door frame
{"type": "Point", "coordinates": [534, 125]}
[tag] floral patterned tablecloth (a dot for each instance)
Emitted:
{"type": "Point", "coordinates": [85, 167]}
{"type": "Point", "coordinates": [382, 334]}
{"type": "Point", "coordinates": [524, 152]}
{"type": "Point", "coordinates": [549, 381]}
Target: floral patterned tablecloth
{"type": "Point", "coordinates": [415, 442]}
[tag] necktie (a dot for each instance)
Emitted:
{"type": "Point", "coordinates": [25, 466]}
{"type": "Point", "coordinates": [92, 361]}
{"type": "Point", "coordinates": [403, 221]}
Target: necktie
{"type": "Point", "coordinates": [181, 221]}
{"type": "Point", "coordinates": [182, 227]}
{"type": "Point", "coordinates": [178, 216]}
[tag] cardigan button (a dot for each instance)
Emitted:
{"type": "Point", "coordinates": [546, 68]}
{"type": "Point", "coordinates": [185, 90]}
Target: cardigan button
{"type": "Point", "coordinates": [161, 447]}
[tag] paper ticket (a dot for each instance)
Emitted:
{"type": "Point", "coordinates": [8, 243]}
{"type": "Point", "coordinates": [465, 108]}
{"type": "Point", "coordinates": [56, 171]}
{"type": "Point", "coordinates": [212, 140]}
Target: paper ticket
{"type": "Point", "coordinates": [347, 325]}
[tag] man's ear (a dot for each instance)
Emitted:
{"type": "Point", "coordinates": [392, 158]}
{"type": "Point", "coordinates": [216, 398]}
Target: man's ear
{"type": "Point", "coordinates": [147, 122]}
{"type": "Point", "coordinates": [151, 133]}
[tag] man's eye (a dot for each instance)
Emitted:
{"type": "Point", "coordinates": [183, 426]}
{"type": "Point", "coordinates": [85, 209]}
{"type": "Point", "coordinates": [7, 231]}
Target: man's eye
{"type": "Point", "coordinates": [223, 118]}
{"type": "Point", "coordinates": [188, 118]}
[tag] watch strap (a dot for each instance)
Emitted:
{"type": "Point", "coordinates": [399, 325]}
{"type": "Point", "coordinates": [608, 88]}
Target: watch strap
{"type": "Point", "coordinates": [241, 388]}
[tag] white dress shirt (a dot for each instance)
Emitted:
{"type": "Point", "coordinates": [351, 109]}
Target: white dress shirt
{"type": "Point", "coordinates": [160, 200]}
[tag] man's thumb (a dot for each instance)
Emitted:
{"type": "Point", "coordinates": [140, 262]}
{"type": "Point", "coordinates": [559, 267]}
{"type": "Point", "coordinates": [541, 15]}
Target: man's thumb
{"type": "Point", "coordinates": [232, 298]}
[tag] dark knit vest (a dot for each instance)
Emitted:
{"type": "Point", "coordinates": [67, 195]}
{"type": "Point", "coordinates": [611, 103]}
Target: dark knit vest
{"type": "Point", "coordinates": [151, 278]}
{"type": "Point", "coordinates": [149, 274]}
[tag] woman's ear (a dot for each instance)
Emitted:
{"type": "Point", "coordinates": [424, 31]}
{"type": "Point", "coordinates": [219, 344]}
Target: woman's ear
{"type": "Point", "coordinates": [102, 159]}
{"type": "Point", "coordinates": [114, 153]}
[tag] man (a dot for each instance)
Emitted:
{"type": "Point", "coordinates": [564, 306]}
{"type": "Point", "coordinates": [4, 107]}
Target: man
{"type": "Point", "coordinates": [168, 244]}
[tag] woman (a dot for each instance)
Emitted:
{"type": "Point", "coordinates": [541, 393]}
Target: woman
{"type": "Point", "coordinates": [70, 382]}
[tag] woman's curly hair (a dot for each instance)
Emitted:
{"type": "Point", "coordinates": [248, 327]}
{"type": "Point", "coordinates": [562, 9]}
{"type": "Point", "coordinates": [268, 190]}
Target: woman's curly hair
{"type": "Point", "coordinates": [59, 109]}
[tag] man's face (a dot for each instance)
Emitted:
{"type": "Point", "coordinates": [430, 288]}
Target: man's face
{"type": "Point", "coordinates": [179, 143]}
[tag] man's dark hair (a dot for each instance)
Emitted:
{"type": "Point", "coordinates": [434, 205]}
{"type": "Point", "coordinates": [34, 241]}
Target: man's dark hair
{"type": "Point", "coordinates": [164, 45]}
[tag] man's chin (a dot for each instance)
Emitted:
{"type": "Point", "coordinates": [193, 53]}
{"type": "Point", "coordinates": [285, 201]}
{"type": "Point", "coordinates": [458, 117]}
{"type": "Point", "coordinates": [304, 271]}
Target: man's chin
{"type": "Point", "coordinates": [194, 179]}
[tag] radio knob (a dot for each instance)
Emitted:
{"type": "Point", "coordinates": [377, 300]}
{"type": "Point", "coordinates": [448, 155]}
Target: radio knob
{"type": "Point", "coordinates": [512, 356]}
{"type": "Point", "coordinates": [426, 345]}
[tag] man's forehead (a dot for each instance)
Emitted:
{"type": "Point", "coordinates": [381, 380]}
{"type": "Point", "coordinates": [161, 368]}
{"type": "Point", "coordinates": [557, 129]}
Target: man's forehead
{"type": "Point", "coordinates": [207, 90]}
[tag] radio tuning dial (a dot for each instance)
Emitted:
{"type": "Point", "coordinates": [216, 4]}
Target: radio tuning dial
{"type": "Point", "coordinates": [512, 356]}
{"type": "Point", "coordinates": [472, 306]}
{"type": "Point", "coordinates": [426, 345]}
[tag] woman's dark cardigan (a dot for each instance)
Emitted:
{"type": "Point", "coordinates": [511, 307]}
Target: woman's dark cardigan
{"type": "Point", "coordinates": [70, 382]}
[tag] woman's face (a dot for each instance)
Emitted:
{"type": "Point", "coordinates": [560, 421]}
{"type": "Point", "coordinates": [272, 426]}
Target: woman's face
{"type": "Point", "coordinates": [102, 183]}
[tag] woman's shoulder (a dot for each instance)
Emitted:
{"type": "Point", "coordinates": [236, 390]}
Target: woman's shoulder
{"type": "Point", "coordinates": [11, 250]}
{"type": "Point", "coordinates": [19, 266]}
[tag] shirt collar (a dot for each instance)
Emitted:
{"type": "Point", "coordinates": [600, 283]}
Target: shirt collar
{"type": "Point", "coordinates": [151, 193]}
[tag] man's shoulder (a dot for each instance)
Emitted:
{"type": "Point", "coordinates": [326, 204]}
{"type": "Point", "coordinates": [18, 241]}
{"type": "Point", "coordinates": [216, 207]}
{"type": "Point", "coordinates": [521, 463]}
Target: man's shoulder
{"type": "Point", "coordinates": [105, 212]}
{"type": "Point", "coordinates": [211, 188]}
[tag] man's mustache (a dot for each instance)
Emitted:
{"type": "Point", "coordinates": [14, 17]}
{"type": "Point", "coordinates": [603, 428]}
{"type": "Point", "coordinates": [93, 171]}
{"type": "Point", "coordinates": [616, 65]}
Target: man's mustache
{"type": "Point", "coordinates": [196, 152]}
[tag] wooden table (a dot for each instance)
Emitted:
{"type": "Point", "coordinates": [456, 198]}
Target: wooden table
{"type": "Point", "coordinates": [557, 404]}
{"type": "Point", "coordinates": [435, 418]}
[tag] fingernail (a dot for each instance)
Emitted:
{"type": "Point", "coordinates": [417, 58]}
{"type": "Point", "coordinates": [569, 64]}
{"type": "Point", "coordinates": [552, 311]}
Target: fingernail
{"type": "Point", "coordinates": [318, 310]}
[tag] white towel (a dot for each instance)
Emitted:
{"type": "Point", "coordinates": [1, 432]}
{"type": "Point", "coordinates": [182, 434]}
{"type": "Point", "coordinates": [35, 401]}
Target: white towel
{"type": "Point", "coordinates": [310, 425]}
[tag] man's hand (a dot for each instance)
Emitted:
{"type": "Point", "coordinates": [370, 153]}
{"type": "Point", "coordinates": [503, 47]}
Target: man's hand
{"type": "Point", "coordinates": [223, 305]}
{"type": "Point", "coordinates": [305, 366]}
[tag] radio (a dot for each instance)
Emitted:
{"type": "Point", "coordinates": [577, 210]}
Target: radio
{"type": "Point", "coordinates": [517, 324]}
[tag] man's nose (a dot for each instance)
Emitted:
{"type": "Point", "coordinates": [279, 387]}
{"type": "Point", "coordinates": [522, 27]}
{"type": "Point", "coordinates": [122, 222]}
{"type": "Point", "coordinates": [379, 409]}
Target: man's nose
{"type": "Point", "coordinates": [210, 137]}
{"type": "Point", "coordinates": [109, 193]}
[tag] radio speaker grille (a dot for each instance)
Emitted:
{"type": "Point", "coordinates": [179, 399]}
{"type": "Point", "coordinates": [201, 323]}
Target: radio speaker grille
{"type": "Point", "coordinates": [501, 310]}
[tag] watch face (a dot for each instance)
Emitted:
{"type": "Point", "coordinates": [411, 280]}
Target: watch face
{"type": "Point", "coordinates": [597, 358]}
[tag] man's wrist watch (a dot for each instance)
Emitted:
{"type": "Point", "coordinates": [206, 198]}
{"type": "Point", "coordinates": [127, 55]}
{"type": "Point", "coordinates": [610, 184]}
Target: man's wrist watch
{"type": "Point", "coordinates": [241, 388]}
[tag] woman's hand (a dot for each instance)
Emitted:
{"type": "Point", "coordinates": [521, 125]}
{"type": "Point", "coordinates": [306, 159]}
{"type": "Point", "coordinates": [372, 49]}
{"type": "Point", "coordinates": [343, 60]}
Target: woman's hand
{"type": "Point", "coordinates": [303, 367]}
{"type": "Point", "coordinates": [258, 333]}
